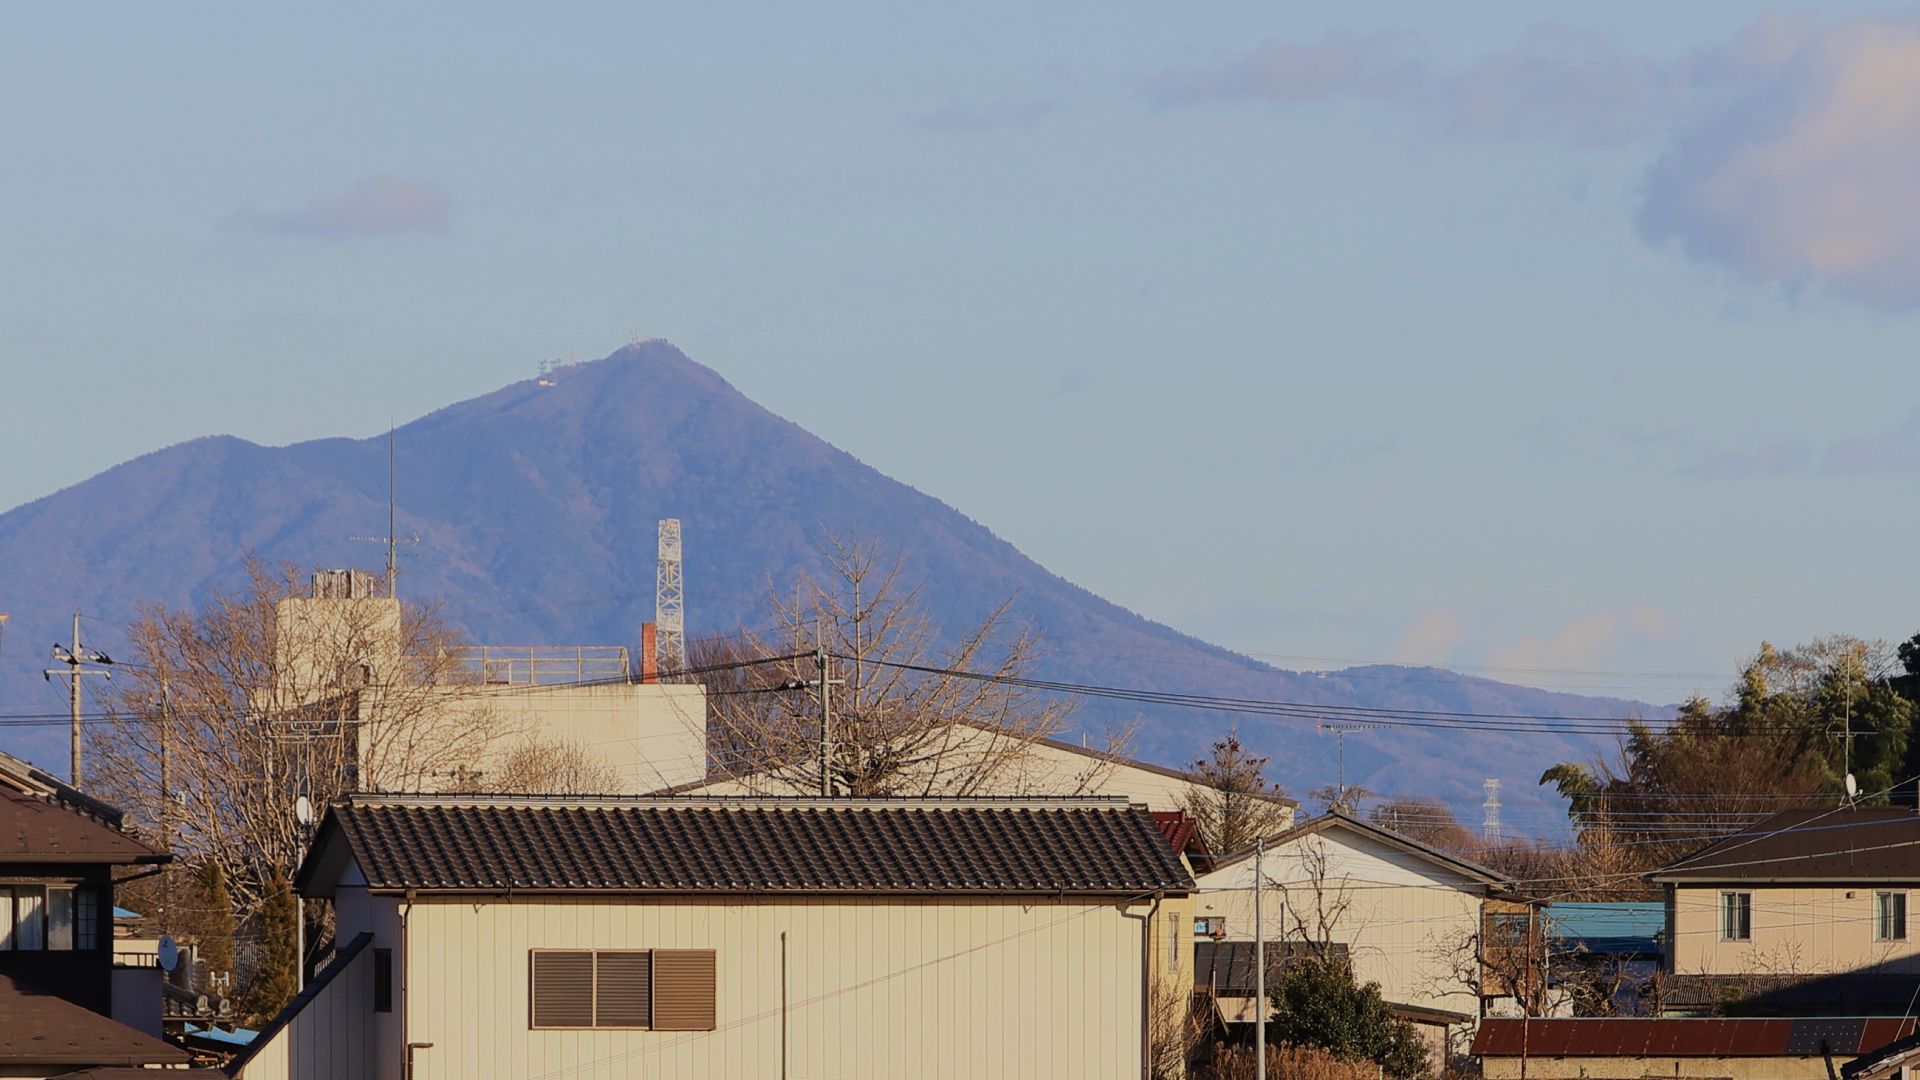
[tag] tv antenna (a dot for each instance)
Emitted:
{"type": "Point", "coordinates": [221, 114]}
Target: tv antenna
{"type": "Point", "coordinates": [1340, 733]}
{"type": "Point", "coordinates": [392, 540]}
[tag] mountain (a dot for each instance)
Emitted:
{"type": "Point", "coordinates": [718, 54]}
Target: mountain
{"type": "Point", "coordinates": [537, 504]}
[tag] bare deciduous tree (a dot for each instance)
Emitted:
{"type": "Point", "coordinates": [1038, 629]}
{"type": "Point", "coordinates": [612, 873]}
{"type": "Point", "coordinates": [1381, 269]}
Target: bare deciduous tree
{"type": "Point", "coordinates": [232, 711]}
{"type": "Point", "coordinates": [549, 766]}
{"type": "Point", "coordinates": [910, 716]}
{"type": "Point", "coordinates": [1232, 803]}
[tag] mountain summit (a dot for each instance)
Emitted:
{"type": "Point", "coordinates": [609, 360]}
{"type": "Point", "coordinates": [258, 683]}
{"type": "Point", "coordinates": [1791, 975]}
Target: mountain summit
{"type": "Point", "coordinates": [537, 505]}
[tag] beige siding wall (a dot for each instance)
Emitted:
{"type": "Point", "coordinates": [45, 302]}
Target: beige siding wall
{"type": "Point", "coordinates": [1795, 931]}
{"type": "Point", "coordinates": [877, 987]}
{"type": "Point", "coordinates": [331, 1038]}
{"type": "Point", "coordinates": [1401, 916]}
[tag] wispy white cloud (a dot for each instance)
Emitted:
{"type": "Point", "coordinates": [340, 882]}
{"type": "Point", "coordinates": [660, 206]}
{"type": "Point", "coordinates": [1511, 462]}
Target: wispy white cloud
{"type": "Point", "coordinates": [1896, 450]}
{"type": "Point", "coordinates": [1810, 179]}
{"type": "Point", "coordinates": [376, 206]}
{"type": "Point", "coordinates": [1559, 83]}
{"type": "Point", "coordinates": [1789, 154]}
{"type": "Point", "coordinates": [1586, 642]}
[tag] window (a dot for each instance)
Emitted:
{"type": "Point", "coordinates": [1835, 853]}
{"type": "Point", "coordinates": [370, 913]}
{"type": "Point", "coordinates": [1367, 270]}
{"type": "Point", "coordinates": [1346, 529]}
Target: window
{"type": "Point", "coordinates": [1890, 916]}
{"type": "Point", "coordinates": [1212, 926]}
{"type": "Point", "coordinates": [86, 920]}
{"type": "Point", "coordinates": [1508, 928]}
{"type": "Point", "coordinates": [1736, 916]}
{"type": "Point", "coordinates": [29, 917]}
{"type": "Point", "coordinates": [383, 980]}
{"type": "Point", "coordinates": [657, 989]}
{"type": "Point", "coordinates": [6, 918]}
{"type": "Point", "coordinates": [60, 919]}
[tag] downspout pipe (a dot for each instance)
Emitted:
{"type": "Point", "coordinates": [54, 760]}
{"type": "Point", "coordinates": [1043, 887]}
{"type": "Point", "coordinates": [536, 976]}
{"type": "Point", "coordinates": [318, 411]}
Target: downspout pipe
{"type": "Point", "coordinates": [1146, 983]}
{"type": "Point", "coordinates": [406, 987]}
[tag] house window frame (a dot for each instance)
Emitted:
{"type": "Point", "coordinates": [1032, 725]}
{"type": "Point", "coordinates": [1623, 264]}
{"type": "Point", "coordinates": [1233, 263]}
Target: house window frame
{"type": "Point", "coordinates": [1736, 915]}
{"type": "Point", "coordinates": [1890, 915]}
{"type": "Point", "coordinates": [1210, 926]}
{"type": "Point", "coordinates": [654, 994]}
{"type": "Point", "coordinates": [49, 916]}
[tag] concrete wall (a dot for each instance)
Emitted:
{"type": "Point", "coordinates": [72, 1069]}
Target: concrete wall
{"type": "Point", "coordinates": [649, 736]}
{"type": "Point", "coordinates": [1795, 931]}
{"type": "Point", "coordinates": [877, 987]}
{"type": "Point", "coordinates": [1399, 914]}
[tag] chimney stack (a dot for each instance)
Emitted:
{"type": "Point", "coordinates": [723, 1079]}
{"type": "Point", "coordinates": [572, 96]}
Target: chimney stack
{"type": "Point", "coordinates": [649, 653]}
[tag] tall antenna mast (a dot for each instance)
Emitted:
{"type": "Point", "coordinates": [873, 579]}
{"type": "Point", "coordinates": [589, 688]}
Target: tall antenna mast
{"type": "Point", "coordinates": [670, 602]}
{"type": "Point", "coordinates": [392, 540]}
{"type": "Point", "coordinates": [1490, 826]}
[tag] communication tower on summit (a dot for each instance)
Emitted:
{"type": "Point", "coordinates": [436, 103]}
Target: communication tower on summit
{"type": "Point", "coordinates": [670, 603]}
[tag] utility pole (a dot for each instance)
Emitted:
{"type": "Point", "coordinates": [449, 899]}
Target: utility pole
{"type": "Point", "coordinates": [821, 660]}
{"type": "Point", "coordinates": [166, 774]}
{"type": "Point", "coordinates": [1259, 959]}
{"type": "Point", "coordinates": [75, 658]}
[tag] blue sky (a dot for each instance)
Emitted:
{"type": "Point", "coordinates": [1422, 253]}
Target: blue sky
{"type": "Point", "coordinates": [1532, 339]}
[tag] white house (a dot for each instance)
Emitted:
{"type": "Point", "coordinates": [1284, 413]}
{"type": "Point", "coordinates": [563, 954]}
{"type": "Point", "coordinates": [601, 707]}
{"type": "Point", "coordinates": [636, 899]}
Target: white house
{"type": "Point", "coordinates": [1408, 917]}
{"type": "Point", "coordinates": [515, 938]}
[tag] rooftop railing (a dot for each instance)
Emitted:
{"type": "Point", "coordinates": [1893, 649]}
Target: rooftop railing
{"type": "Point", "coordinates": [545, 665]}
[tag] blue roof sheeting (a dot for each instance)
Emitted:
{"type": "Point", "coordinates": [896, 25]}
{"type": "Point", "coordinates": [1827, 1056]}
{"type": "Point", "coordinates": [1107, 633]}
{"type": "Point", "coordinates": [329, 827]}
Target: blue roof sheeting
{"type": "Point", "coordinates": [1613, 928]}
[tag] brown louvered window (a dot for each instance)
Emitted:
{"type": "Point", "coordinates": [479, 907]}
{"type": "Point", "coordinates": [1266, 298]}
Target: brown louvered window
{"type": "Point", "coordinates": [562, 989]}
{"type": "Point", "coordinates": [683, 989]}
{"type": "Point", "coordinates": [661, 989]}
{"type": "Point", "coordinates": [623, 989]}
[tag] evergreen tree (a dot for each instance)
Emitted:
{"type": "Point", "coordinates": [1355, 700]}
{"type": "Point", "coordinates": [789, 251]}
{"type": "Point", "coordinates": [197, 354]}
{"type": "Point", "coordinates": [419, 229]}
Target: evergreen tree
{"type": "Point", "coordinates": [1318, 1002]}
{"type": "Point", "coordinates": [275, 960]}
{"type": "Point", "coordinates": [212, 924]}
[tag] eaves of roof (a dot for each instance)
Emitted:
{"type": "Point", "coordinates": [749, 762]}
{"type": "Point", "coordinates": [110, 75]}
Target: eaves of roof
{"type": "Point", "coordinates": [1335, 818]}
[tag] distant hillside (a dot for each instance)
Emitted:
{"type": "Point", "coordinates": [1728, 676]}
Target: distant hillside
{"type": "Point", "coordinates": [537, 506]}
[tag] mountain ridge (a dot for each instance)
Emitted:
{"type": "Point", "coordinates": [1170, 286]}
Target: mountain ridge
{"type": "Point", "coordinates": [536, 504]}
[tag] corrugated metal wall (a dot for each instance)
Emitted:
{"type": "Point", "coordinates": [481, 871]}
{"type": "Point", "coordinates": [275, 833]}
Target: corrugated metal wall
{"type": "Point", "coordinates": [876, 988]}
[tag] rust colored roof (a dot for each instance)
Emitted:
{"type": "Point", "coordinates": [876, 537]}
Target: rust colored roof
{"type": "Point", "coordinates": [1657, 1038]}
{"type": "Point", "coordinates": [37, 1028]}
{"type": "Point", "coordinates": [1876, 844]}
{"type": "Point", "coordinates": [35, 831]}
{"type": "Point", "coordinates": [735, 845]}
{"type": "Point", "coordinates": [1177, 826]}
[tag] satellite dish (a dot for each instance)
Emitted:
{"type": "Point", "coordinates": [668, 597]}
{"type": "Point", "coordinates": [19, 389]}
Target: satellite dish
{"type": "Point", "coordinates": [1853, 787]}
{"type": "Point", "coordinates": [303, 810]}
{"type": "Point", "coordinates": [169, 953]}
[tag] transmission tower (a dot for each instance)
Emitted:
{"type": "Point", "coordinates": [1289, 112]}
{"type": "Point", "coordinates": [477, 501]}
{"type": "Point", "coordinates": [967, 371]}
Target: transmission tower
{"type": "Point", "coordinates": [670, 605]}
{"type": "Point", "coordinates": [1490, 825]}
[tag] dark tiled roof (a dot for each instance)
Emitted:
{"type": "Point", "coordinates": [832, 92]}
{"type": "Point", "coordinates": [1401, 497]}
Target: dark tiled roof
{"type": "Point", "coordinates": [1637, 1037]}
{"type": "Point", "coordinates": [37, 1028]}
{"type": "Point", "coordinates": [35, 831]}
{"type": "Point", "coordinates": [23, 777]}
{"type": "Point", "coordinates": [736, 845]}
{"type": "Point", "coordinates": [1865, 845]}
